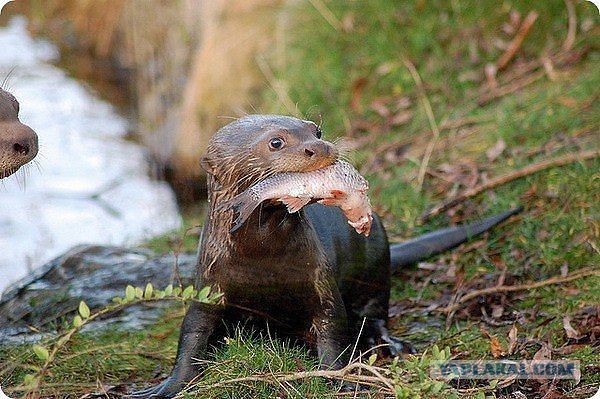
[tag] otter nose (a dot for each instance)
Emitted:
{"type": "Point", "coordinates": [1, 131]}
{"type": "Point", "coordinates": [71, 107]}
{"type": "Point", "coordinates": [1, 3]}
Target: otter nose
{"type": "Point", "coordinates": [24, 143]}
{"type": "Point", "coordinates": [21, 148]}
{"type": "Point", "coordinates": [317, 149]}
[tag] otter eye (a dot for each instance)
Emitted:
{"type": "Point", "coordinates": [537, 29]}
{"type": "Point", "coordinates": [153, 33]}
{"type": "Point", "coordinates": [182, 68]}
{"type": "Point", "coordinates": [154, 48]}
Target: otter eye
{"type": "Point", "coordinates": [318, 133]}
{"type": "Point", "coordinates": [276, 143]}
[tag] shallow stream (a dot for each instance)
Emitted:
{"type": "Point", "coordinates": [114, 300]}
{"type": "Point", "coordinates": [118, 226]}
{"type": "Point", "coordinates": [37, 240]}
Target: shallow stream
{"type": "Point", "coordinates": [89, 184]}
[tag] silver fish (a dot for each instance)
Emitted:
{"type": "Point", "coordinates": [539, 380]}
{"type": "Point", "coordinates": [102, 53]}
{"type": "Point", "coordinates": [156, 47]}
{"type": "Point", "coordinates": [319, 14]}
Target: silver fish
{"type": "Point", "coordinates": [337, 185]}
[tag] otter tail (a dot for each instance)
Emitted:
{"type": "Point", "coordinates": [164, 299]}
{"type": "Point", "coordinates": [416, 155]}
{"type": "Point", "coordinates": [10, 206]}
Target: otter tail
{"type": "Point", "coordinates": [420, 248]}
{"type": "Point", "coordinates": [243, 205]}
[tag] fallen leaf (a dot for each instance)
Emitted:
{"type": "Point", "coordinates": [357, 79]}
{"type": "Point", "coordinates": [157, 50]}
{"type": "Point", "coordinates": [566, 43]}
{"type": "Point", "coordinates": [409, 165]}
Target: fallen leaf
{"type": "Point", "coordinates": [357, 87]}
{"type": "Point", "coordinates": [403, 102]}
{"type": "Point", "coordinates": [569, 102]}
{"type": "Point", "coordinates": [401, 118]}
{"type": "Point", "coordinates": [571, 332]}
{"type": "Point", "coordinates": [543, 354]}
{"type": "Point", "coordinates": [496, 347]}
{"type": "Point", "coordinates": [512, 339]}
{"type": "Point", "coordinates": [380, 105]}
{"type": "Point", "coordinates": [427, 266]}
{"type": "Point", "coordinates": [386, 68]}
{"type": "Point", "coordinates": [564, 269]}
{"type": "Point", "coordinates": [497, 311]}
{"type": "Point", "coordinates": [451, 272]}
{"type": "Point", "coordinates": [496, 150]}
{"type": "Point", "coordinates": [567, 350]}
{"type": "Point", "coordinates": [541, 235]}
{"type": "Point", "coordinates": [490, 74]}
{"type": "Point", "coordinates": [348, 22]}
{"type": "Point", "coordinates": [514, 18]}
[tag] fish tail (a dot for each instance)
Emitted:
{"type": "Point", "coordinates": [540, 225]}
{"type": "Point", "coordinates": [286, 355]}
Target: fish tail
{"type": "Point", "coordinates": [242, 205]}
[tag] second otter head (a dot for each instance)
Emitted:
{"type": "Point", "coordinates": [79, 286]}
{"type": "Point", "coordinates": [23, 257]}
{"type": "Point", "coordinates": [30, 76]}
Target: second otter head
{"type": "Point", "coordinates": [257, 146]}
{"type": "Point", "coordinates": [18, 142]}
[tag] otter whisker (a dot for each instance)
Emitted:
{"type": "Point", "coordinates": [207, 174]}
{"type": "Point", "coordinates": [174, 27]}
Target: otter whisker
{"type": "Point", "coordinates": [4, 85]}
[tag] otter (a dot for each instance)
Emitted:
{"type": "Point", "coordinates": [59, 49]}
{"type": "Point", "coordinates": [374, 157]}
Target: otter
{"type": "Point", "coordinates": [18, 142]}
{"type": "Point", "coordinates": [307, 276]}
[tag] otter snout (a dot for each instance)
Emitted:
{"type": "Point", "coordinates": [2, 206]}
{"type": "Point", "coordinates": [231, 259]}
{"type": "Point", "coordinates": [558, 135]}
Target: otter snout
{"type": "Point", "coordinates": [320, 154]}
{"type": "Point", "coordinates": [26, 144]}
{"type": "Point", "coordinates": [319, 149]}
{"type": "Point", "coordinates": [18, 145]}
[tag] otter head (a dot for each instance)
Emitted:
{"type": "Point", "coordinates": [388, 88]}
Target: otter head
{"type": "Point", "coordinates": [18, 142]}
{"type": "Point", "coordinates": [256, 146]}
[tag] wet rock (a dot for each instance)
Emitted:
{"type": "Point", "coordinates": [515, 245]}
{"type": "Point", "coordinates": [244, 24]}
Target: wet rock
{"type": "Point", "coordinates": [94, 274]}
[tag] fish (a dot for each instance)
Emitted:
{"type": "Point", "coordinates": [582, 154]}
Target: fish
{"type": "Point", "coordinates": [338, 184]}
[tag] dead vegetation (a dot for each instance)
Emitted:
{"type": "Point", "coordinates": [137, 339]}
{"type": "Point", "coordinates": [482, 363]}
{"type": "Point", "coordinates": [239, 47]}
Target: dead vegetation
{"type": "Point", "coordinates": [191, 66]}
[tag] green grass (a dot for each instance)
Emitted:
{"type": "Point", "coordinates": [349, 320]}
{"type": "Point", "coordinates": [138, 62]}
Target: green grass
{"type": "Point", "coordinates": [247, 354]}
{"type": "Point", "coordinates": [110, 356]}
{"type": "Point", "coordinates": [448, 42]}
{"type": "Point", "coordinates": [184, 239]}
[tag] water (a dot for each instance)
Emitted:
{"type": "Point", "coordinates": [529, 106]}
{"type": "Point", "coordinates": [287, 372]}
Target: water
{"type": "Point", "coordinates": [91, 186]}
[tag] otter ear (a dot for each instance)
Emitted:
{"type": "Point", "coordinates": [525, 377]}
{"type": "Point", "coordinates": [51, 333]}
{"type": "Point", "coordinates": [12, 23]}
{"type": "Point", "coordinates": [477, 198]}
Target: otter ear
{"type": "Point", "coordinates": [206, 164]}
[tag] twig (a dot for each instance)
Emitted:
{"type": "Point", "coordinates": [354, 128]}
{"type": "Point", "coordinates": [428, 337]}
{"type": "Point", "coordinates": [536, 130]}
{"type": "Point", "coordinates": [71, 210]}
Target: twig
{"type": "Point", "coordinates": [521, 287]}
{"type": "Point", "coordinates": [516, 42]}
{"type": "Point", "coordinates": [572, 30]}
{"type": "Point", "coordinates": [517, 174]}
{"type": "Point", "coordinates": [432, 123]}
{"type": "Point", "coordinates": [343, 374]}
{"type": "Point", "coordinates": [509, 88]}
{"type": "Point", "coordinates": [327, 14]}
{"type": "Point", "coordinates": [549, 68]}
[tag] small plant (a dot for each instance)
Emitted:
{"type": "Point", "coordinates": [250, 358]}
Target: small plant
{"type": "Point", "coordinates": [411, 376]}
{"type": "Point", "coordinates": [133, 296]}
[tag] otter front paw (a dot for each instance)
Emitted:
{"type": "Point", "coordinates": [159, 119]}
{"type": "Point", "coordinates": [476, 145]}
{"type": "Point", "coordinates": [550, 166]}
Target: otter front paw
{"type": "Point", "coordinates": [165, 390]}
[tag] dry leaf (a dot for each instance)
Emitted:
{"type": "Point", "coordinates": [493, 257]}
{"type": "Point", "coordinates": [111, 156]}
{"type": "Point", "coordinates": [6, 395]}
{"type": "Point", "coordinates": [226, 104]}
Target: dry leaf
{"type": "Point", "coordinates": [496, 150]}
{"type": "Point", "coordinates": [497, 311]}
{"type": "Point", "coordinates": [569, 102]}
{"type": "Point", "coordinates": [490, 74]}
{"type": "Point", "coordinates": [380, 105]}
{"type": "Point", "coordinates": [543, 354]}
{"type": "Point", "coordinates": [401, 118]}
{"type": "Point", "coordinates": [357, 87]}
{"type": "Point", "coordinates": [541, 235]}
{"type": "Point", "coordinates": [385, 68]}
{"type": "Point", "coordinates": [571, 332]}
{"type": "Point", "coordinates": [512, 339]}
{"type": "Point", "coordinates": [496, 347]}
{"type": "Point", "coordinates": [348, 22]}
{"type": "Point", "coordinates": [403, 102]}
{"type": "Point", "coordinates": [564, 269]}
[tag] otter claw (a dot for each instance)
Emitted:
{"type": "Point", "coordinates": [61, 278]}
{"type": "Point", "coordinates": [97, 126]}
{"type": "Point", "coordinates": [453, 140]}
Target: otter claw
{"type": "Point", "coordinates": [163, 390]}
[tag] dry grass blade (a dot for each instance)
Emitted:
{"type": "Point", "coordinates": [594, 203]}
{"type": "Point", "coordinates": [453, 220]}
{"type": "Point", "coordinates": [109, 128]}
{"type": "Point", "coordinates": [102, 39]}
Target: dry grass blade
{"type": "Point", "coordinates": [517, 41]}
{"type": "Point", "coordinates": [376, 379]}
{"type": "Point", "coordinates": [327, 14]}
{"type": "Point", "coordinates": [521, 287]}
{"type": "Point", "coordinates": [430, 117]}
{"type": "Point", "coordinates": [514, 175]}
{"type": "Point", "coordinates": [572, 30]}
{"type": "Point", "coordinates": [509, 88]}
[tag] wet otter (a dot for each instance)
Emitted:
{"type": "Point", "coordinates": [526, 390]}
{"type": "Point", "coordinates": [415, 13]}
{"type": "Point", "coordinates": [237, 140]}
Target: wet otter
{"type": "Point", "coordinates": [18, 142]}
{"type": "Point", "coordinates": [308, 276]}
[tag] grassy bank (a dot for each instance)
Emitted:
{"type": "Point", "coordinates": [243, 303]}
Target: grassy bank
{"type": "Point", "coordinates": [349, 63]}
